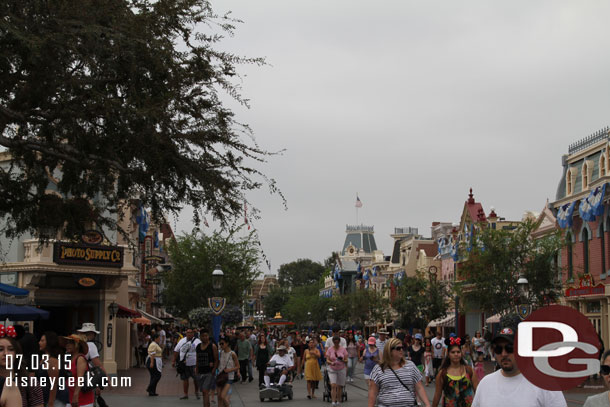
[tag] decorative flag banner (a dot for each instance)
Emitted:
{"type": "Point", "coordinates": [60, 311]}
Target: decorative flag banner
{"type": "Point", "coordinates": [585, 210]}
{"type": "Point", "coordinates": [564, 215]}
{"type": "Point", "coordinates": [595, 199]}
{"type": "Point", "coordinates": [143, 220]}
{"type": "Point", "coordinates": [358, 202]}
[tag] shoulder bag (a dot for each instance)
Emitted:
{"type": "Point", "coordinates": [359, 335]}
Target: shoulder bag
{"type": "Point", "coordinates": [410, 390]}
{"type": "Point", "coordinates": [223, 377]}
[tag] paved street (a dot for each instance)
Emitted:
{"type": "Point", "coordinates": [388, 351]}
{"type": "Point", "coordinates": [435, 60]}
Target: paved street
{"type": "Point", "coordinates": [170, 389]}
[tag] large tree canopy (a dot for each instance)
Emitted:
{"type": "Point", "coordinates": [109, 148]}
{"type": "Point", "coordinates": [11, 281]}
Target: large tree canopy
{"type": "Point", "coordinates": [496, 260]}
{"type": "Point", "coordinates": [195, 256]}
{"type": "Point", "coordinates": [420, 300]}
{"type": "Point", "coordinates": [300, 273]}
{"type": "Point", "coordinates": [107, 101]}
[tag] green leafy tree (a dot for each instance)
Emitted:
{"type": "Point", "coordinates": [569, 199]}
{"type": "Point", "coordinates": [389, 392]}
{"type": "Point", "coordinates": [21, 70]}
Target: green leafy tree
{"type": "Point", "coordinates": [304, 300]}
{"type": "Point", "coordinates": [300, 273]}
{"type": "Point", "coordinates": [420, 300]}
{"type": "Point", "coordinates": [108, 101]}
{"type": "Point", "coordinates": [274, 301]}
{"type": "Point", "coordinates": [194, 256]}
{"type": "Point", "coordinates": [496, 260]}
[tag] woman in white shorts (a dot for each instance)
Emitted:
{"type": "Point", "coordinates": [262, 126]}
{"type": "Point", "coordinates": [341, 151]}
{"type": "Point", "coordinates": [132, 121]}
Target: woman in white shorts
{"type": "Point", "coordinates": [336, 357]}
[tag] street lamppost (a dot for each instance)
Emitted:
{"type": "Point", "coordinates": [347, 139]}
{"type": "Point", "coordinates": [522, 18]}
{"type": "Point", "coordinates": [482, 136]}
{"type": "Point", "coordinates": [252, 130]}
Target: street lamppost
{"type": "Point", "coordinates": [524, 309]}
{"type": "Point", "coordinates": [217, 304]}
{"type": "Point", "coordinates": [330, 319]}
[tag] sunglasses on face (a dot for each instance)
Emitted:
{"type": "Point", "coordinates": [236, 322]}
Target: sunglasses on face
{"type": "Point", "coordinates": [399, 348]}
{"type": "Point", "coordinates": [604, 370]}
{"type": "Point", "coordinates": [499, 348]}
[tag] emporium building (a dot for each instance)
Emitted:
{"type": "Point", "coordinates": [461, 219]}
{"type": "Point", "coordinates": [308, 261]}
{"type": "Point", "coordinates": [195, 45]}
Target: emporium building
{"type": "Point", "coordinates": [583, 214]}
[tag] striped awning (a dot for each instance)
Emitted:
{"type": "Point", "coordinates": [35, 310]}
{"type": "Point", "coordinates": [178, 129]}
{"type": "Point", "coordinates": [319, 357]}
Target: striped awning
{"type": "Point", "coordinates": [447, 321]}
{"type": "Point", "coordinates": [153, 319]}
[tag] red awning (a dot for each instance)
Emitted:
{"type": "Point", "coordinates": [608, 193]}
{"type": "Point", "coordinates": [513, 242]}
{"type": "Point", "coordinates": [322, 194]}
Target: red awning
{"type": "Point", "coordinates": [125, 312]}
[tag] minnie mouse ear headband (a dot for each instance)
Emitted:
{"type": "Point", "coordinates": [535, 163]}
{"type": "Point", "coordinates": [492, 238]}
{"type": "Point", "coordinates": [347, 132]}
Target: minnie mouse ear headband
{"type": "Point", "coordinates": [454, 341]}
{"type": "Point", "coordinates": [8, 331]}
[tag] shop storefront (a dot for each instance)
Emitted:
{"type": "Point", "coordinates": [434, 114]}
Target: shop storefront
{"type": "Point", "coordinates": [80, 282]}
{"type": "Point", "coordinates": [592, 300]}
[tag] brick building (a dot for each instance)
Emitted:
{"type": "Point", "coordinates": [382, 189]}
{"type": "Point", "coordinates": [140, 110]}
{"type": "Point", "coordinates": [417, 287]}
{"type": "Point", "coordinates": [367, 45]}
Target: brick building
{"type": "Point", "coordinates": [583, 214]}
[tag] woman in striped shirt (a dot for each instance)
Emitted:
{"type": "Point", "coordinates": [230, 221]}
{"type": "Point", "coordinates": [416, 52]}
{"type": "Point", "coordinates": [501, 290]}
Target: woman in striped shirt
{"type": "Point", "coordinates": [396, 381]}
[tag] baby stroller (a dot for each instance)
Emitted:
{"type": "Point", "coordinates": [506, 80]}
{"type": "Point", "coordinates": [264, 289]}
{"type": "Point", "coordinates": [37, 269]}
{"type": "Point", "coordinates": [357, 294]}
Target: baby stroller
{"type": "Point", "coordinates": [326, 396]}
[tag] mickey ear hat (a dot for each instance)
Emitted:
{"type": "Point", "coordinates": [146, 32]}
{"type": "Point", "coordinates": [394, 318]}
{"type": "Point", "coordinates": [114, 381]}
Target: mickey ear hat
{"type": "Point", "coordinates": [454, 340]}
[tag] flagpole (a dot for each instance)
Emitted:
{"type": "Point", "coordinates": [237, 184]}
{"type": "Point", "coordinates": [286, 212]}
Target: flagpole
{"type": "Point", "coordinates": [357, 195]}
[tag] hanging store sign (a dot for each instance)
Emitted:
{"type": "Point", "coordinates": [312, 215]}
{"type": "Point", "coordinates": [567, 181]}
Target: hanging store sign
{"type": "Point", "coordinates": [148, 246]}
{"type": "Point", "coordinates": [154, 259]}
{"type": "Point", "coordinates": [100, 256]}
{"type": "Point", "coordinates": [87, 281]}
{"type": "Point", "coordinates": [92, 237]}
{"type": "Point", "coordinates": [586, 287]}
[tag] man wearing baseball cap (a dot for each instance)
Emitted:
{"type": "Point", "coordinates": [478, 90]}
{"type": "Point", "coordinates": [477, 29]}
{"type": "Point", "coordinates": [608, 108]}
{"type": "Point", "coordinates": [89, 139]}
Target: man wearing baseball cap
{"type": "Point", "coordinates": [93, 355]}
{"type": "Point", "coordinates": [507, 387]}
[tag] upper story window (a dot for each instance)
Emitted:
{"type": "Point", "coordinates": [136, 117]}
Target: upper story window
{"type": "Point", "coordinates": [585, 176]}
{"type": "Point", "coordinates": [569, 184]}
{"type": "Point", "coordinates": [602, 165]}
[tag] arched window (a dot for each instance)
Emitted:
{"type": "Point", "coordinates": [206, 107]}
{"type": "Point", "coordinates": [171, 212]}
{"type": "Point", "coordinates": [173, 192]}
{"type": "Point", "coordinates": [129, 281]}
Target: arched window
{"type": "Point", "coordinates": [585, 176]}
{"type": "Point", "coordinates": [569, 182]}
{"type": "Point", "coordinates": [602, 165]}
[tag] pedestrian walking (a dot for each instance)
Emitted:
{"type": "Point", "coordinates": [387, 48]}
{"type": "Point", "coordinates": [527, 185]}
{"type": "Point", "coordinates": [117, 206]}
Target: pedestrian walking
{"type": "Point", "coordinates": [352, 356]}
{"type": "Point", "coordinates": [396, 382]}
{"type": "Point", "coordinates": [154, 364]}
{"type": "Point", "coordinates": [207, 363]}
{"type": "Point", "coordinates": [262, 354]}
{"type": "Point", "coordinates": [245, 353]}
{"type": "Point", "coordinates": [383, 337]}
{"type": "Point", "coordinates": [312, 369]}
{"type": "Point", "coordinates": [93, 355]}
{"type": "Point", "coordinates": [185, 353]}
{"type": "Point", "coordinates": [9, 348]}
{"type": "Point", "coordinates": [428, 369]}
{"type": "Point", "coordinates": [416, 352]}
{"type": "Point", "coordinates": [456, 382]}
{"type": "Point", "coordinates": [53, 396]}
{"type": "Point", "coordinates": [438, 351]}
{"type": "Point", "coordinates": [370, 357]}
{"type": "Point", "coordinates": [77, 348]}
{"type": "Point", "coordinates": [228, 365]}
{"type": "Point", "coordinates": [336, 357]}
{"type": "Point", "coordinates": [507, 387]}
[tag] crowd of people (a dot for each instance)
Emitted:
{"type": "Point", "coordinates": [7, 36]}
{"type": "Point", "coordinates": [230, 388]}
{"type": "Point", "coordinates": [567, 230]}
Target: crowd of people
{"type": "Point", "coordinates": [25, 360]}
{"type": "Point", "coordinates": [396, 369]}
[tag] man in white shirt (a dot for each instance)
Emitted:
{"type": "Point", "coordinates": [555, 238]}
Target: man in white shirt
{"type": "Point", "coordinates": [282, 360]}
{"type": "Point", "coordinates": [380, 343]}
{"type": "Point", "coordinates": [185, 350]}
{"type": "Point", "coordinates": [329, 341]}
{"type": "Point", "coordinates": [507, 387]}
{"type": "Point", "coordinates": [438, 351]}
{"type": "Point", "coordinates": [93, 356]}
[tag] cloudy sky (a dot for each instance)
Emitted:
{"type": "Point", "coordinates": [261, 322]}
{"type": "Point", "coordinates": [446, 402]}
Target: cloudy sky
{"type": "Point", "coordinates": [411, 103]}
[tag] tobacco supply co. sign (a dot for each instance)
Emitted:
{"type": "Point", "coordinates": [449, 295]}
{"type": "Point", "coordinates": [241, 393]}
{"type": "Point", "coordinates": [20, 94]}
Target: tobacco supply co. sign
{"type": "Point", "coordinates": [75, 254]}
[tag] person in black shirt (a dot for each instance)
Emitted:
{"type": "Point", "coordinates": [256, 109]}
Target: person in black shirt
{"type": "Point", "coordinates": [416, 352]}
{"type": "Point", "coordinates": [207, 363]}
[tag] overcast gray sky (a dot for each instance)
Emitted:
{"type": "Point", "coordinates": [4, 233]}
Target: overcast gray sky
{"type": "Point", "coordinates": [411, 103]}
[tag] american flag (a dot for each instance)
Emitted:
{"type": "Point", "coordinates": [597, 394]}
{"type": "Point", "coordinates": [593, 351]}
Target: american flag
{"type": "Point", "coordinates": [358, 202]}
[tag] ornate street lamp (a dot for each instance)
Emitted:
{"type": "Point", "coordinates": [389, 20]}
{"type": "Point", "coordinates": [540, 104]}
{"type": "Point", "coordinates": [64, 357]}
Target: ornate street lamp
{"type": "Point", "coordinates": [113, 308]}
{"type": "Point", "coordinates": [524, 309]}
{"type": "Point", "coordinates": [217, 277]}
{"type": "Point", "coordinates": [217, 304]}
